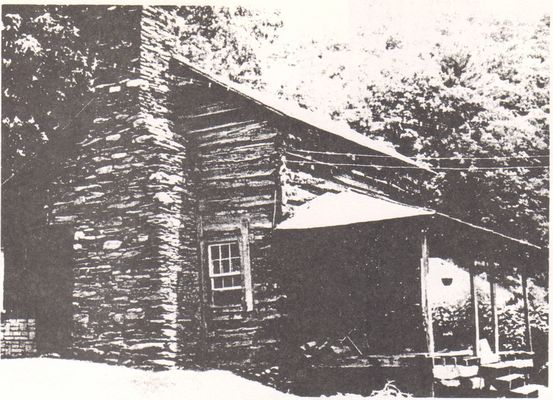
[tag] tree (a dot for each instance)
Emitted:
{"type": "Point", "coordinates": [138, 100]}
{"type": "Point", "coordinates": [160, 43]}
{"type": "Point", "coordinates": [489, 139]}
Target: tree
{"type": "Point", "coordinates": [52, 56]}
{"type": "Point", "coordinates": [467, 97]}
{"type": "Point", "coordinates": [226, 40]}
{"type": "Point", "coordinates": [44, 76]}
{"type": "Point", "coordinates": [487, 109]}
{"type": "Point", "coordinates": [472, 95]}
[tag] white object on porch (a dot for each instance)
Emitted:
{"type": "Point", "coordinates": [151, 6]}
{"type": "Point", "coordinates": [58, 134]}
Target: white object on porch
{"type": "Point", "coordinates": [487, 355]}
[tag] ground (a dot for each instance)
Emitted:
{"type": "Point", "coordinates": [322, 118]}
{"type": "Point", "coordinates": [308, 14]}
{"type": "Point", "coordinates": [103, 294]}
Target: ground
{"type": "Point", "coordinates": [47, 378]}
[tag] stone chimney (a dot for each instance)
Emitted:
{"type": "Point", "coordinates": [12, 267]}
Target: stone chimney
{"type": "Point", "coordinates": [125, 198]}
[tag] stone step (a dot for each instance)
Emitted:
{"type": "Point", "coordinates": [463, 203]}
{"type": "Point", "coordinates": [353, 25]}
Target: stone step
{"type": "Point", "coordinates": [519, 355]}
{"type": "Point", "coordinates": [450, 383]}
{"type": "Point", "coordinates": [494, 370]}
{"type": "Point", "coordinates": [454, 372]}
{"type": "Point", "coordinates": [447, 360]}
{"type": "Point", "coordinates": [527, 391]}
{"type": "Point", "coordinates": [473, 383]}
{"type": "Point", "coordinates": [509, 382]}
{"type": "Point", "coordinates": [522, 363]}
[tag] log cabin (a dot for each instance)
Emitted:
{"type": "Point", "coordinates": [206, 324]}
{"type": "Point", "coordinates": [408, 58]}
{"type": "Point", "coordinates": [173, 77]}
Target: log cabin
{"type": "Point", "coordinates": [185, 221]}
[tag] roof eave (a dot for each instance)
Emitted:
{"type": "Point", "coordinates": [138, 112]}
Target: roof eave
{"type": "Point", "coordinates": [339, 129]}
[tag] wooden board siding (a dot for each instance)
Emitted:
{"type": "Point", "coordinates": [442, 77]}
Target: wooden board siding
{"type": "Point", "coordinates": [305, 175]}
{"type": "Point", "coordinates": [301, 182]}
{"type": "Point", "coordinates": [235, 166]}
{"type": "Point", "coordinates": [242, 155]}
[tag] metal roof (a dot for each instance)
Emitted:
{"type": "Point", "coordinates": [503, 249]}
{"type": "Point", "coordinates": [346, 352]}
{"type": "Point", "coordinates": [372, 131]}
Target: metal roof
{"type": "Point", "coordinates": [346, 208]}
{"type": "Point", "coordinates": [288, 109]}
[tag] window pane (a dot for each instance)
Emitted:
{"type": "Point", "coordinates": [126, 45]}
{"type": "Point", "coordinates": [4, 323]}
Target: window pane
{"type": "Point", "coordinates": [216, 266]}
{"type": "Point", "coordinates": [237, 280]}
{"type": "Point", "coordinates": [227, 281]}
{"type": "Point", "coordinates": [225, 265]}
{"type": "Point", "coordinates": [225, 251]}
{"type": "Point", "coordinates": [227, 298]}
{"type": "Point", "coordinates": [214, 252]}
{"type": "Point", "coordinates": [218, 283]}
{"type": "Point", "coordinates": [235, 264]}
{"type": "Point", "coordinates": [234, 252]}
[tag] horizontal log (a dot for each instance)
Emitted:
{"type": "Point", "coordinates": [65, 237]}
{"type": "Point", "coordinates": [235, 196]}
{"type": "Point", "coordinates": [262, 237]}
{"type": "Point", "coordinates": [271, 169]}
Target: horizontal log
{"type": "Point", "coordinates": [214, 131]}
{"type": "Point", "coordinates": [238, 140]}
{"type": "Point", "coordinates": [234, 175]}
{"type": "Point", "coordinates": [246, 186]}
{"type": "Point", "coordinates": [222, 227]}
{"type": "Point", "coordinates": [214, 110]}
{"type": "Point", "coordinates": [232, 161]}
{"type": "Point", "coordinates": [260, 147]}
{"type": "Point", "coordinates": [239, 204]}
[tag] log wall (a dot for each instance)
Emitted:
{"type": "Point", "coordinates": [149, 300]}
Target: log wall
{"type": "Point", "coordinates": [248, 162]}
{"type": "Point", "coordinates": [165, 163]}
{"type": "Point", "coordinates": [233, 177]}
{"type": "Point", "coordinates": [311, 166]}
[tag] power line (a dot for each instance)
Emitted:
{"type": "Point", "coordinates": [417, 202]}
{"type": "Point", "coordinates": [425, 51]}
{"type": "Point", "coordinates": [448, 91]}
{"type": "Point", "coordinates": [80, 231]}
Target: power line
{"type": "Point", "coordinates": [79, 113]}
{"type": "Point", "coordinates": [484, 158]}
{"type": "Point", "coordinates": [421, 158]}
{"type": "Point", "coordinates": [492, 168]}
{"type": "Point", "coordinates": [414, 167]}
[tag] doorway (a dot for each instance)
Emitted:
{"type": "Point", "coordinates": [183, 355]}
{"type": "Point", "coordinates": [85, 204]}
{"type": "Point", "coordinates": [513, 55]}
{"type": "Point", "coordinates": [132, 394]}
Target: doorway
{"type": "Point", "coordinates": [52, 286]}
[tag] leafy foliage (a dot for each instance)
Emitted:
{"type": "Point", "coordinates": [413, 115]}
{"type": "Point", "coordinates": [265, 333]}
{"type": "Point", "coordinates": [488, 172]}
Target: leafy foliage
{"type": "Point", "coordinates": [468, 96]}
{"type": "Point", "coordinates": [453, 328]}
{"type": "Point", "coordinates": [44, 78]}
{"type": "Point", "coordinates": [473, 91]}
{"type": "Point", "coordinates": [53, 56]}
{"type": "Point", "coordinates": [225, 40]}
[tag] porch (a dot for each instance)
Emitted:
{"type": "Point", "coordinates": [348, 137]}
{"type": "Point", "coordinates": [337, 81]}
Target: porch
{"type": "Point", "coordinates": [444, 375]}
{"type": "Point", "coordinates": [376, 254]}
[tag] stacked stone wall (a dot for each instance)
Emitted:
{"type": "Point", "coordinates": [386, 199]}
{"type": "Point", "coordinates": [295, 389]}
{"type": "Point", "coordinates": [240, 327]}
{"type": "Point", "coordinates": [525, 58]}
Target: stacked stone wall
{"type": "Point", "coordinates": [17, 338]}
{"type": "Point", "coordinates": [122, 196]}
{"type": "Point", "coordinates": [128, 195]}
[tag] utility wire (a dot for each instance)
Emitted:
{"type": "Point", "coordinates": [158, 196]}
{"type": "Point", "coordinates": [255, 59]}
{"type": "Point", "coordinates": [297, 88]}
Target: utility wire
{"type": "Point", "coordinates": [421, 158]}
{"type": "Point", "coordinates": [307, 161]}
{"type": "Point", "coordinates": [9, 178]}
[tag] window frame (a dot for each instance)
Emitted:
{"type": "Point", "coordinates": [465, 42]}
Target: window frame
{"type": "Point", "coordinates": [212, 275]}
{"type": "Point", "coordinates": [242, 239]}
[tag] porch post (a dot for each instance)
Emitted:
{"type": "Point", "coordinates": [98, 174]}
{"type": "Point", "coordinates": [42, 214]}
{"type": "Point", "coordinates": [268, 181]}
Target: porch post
{"type": "Point", "coordinates": [426, 306]}
{"type": "Point", "coordinates": [474, 301]}
{"type": "Point", "coordinates": [528, 330]}
{"type": "Point", "coordinates": [495, 329]}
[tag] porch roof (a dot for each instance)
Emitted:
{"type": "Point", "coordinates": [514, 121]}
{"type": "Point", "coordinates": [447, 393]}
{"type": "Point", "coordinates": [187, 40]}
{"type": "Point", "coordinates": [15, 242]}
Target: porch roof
{"type": "Point", "coordinates": [346, 208]}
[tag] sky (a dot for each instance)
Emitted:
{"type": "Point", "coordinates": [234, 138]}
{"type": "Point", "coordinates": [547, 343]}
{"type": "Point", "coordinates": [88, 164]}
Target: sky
{"type": "Point", "coordinates": [290, 64]}
{"type": "Point", "coordinates": [339, 18]}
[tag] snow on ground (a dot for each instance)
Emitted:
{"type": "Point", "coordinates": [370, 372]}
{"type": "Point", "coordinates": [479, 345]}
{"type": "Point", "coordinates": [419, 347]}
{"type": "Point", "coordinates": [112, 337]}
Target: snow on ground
{"type": "Point", "coordinates": [47, 378]}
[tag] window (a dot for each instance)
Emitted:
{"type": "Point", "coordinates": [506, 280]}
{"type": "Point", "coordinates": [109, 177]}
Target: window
{"type": "Point", "coordinates": [225, 273]}
{"type": "Point", "coordinates": [230, 275]}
